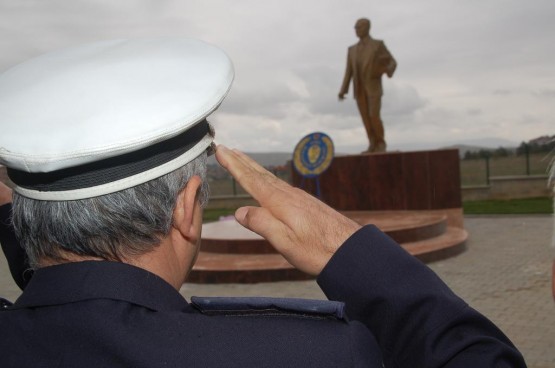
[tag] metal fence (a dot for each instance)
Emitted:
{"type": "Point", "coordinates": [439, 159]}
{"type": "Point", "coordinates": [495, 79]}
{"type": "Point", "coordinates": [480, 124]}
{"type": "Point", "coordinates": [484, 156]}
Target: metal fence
{"type": "Point", "coordinates": [474, 172]}
{"type": "Point", "coordinates": [478, 171]}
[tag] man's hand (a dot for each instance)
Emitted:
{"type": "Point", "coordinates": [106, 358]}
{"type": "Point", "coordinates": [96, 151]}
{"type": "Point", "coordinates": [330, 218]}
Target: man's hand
{"type": "Point", "coordinates": [303, 229]}
{"type": "Point", "coordinates": [5, 194]}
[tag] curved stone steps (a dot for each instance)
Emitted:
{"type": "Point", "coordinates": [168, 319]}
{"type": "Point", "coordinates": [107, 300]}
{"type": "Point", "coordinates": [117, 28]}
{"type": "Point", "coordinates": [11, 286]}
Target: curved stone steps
{"type": "Point", "coordinates": [233, 254]}
{"type": "Point", "coordinates": [403, 226]}
{"type": "Point", "coordinates": [228, 236]}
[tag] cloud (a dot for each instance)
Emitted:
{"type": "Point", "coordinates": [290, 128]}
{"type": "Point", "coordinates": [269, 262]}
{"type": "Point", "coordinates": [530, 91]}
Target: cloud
{"type": "Point", "coordinates": [466, 69]}
{"type": "Point", "coordinates": [503, 92]}
{"type": "Point", "coordinates": [400, 101]}
{"type": "Point", "coordinates": [544, 93]}
{"type": "Point", "coordinates": [269, 98]}
{"type": "Point", "coordinates": [474, 112]}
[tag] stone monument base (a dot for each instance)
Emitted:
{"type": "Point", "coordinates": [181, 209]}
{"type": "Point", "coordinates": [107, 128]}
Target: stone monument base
{"type": "Point", "coordinates": [232, 254]}
{"type": "Point", "coordinates": [392, 181]}
{"type": "Point", "coordinates": [414, 197]}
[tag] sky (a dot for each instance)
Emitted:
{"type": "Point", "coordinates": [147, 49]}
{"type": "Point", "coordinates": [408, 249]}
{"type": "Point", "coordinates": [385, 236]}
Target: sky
{"type": "Point", "coordinates": [469, 72]}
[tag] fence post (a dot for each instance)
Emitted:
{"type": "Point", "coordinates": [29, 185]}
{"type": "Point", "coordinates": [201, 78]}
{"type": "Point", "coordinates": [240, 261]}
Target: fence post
{"type": "Point", "coordinates": [487, 169]}
{"type": "Point", "coordinates": [527, 153]}
{"type": "Point", "coordinates": [234, 186]}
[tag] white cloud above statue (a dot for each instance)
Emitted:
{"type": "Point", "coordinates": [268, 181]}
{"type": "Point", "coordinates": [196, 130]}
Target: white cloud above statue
{"type": "Point", "coordinates": [467, 70]}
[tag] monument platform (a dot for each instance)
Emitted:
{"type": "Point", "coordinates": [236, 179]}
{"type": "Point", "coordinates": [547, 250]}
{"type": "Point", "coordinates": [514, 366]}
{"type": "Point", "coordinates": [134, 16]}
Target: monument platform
{"type": "Point", "coordinates": [232, 254]}
{"type": "Point", "coordinates": [420, 180]}
{"type": "Point", "coordinates": [414, 197]}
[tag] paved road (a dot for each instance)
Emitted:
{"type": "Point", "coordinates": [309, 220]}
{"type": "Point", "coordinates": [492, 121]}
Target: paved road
{"type": "Point", "coordinates": [505, 273]}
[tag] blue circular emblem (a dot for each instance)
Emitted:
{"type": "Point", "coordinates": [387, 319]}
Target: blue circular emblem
{"type": "Point", "coordinates": [313, 154]}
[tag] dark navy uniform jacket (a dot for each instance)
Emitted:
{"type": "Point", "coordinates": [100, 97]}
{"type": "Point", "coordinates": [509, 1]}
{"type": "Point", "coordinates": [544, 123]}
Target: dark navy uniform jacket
{"type": "Point", "coordinates": [109, 314]}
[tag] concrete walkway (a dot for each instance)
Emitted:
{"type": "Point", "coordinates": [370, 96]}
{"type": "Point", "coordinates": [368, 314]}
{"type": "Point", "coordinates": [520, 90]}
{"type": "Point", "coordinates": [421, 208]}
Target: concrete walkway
{"type": "Point", "coordinates": [505, 274]}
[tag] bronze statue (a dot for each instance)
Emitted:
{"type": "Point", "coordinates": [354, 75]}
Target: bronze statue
{"type": "Point", "coordinates": [366, 62]}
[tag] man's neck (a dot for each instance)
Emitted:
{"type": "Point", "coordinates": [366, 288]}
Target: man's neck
{"type": "Point", "coordinates": [161, 260]}
{"type": "Point", "coordinates": [365, 38]}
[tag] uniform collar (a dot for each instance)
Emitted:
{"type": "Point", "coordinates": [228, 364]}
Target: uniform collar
{"type": "Point", "coordinates": [80, 281]}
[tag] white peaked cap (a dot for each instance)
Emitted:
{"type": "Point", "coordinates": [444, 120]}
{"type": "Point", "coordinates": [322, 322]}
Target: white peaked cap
{"type": "Point", "coordinates": [102, 117]}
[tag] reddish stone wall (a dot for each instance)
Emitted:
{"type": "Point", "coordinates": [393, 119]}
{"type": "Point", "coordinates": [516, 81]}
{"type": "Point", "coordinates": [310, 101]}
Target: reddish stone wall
{"type": "Point", "coordinates": [422, 180]}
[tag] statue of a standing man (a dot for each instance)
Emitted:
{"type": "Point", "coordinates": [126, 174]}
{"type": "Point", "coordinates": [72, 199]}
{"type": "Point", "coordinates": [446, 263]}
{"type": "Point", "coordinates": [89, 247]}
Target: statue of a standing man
{"type": "Point", "coordinates": [366, 62]}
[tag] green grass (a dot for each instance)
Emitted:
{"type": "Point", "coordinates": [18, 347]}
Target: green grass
{"type": "Point", "coordinates": [542, 205]}
{"type": "Point", "coordinates": [512, 206]}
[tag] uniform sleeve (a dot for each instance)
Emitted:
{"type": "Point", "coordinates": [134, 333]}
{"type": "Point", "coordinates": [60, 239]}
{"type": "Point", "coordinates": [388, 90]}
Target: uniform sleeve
{"type": "Point", "coordinates": [417, 320]}
{"type": "Point", "coordinates": [17, 259]}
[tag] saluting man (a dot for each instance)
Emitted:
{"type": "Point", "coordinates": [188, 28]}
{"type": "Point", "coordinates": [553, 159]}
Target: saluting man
{"type": "Point", "coordinates": [107, 145]}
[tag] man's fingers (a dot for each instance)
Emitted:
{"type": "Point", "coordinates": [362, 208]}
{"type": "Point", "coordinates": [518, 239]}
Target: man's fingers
{"type": "Point", "coordinates": [303, 229]}
{"type": "Point", "coordinates": [236, 162]}
{"type": "Point", "coordinates": [256, 180]}
{"type": "Point", "coordinates": [250, 162]}
{"type": "Point", "coordinates": [283, 238]}
{"type": "Point", "coordinates": [260, 221]}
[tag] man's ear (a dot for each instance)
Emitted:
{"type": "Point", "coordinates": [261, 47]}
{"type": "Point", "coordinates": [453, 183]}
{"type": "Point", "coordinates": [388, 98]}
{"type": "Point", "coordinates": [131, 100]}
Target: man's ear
{"type": "Point", "coordinates": [186, 207]}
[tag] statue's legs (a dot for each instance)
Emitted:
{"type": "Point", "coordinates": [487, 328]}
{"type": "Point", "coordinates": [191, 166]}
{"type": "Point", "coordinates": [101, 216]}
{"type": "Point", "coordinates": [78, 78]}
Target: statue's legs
{"type": "Point", "coordinates": [363, 108]}
{"type": "Point", "coordinates": [376, 125]}
{"type": "Point", "coordinates": [369, 108]}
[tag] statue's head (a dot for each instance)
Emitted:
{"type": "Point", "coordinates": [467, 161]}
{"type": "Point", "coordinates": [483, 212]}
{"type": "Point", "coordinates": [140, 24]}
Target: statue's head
{"type": "Point", "coordinates": [362, 27]}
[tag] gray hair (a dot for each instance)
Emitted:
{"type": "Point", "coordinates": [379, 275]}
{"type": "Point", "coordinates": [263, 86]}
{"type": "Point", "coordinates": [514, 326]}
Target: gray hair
{"type": "Point", "coordinates": [112, 227]}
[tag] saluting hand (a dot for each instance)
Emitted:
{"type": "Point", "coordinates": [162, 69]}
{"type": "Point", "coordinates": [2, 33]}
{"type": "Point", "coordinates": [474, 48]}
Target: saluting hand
{"type": "Point", "coordinates": [302, 228]}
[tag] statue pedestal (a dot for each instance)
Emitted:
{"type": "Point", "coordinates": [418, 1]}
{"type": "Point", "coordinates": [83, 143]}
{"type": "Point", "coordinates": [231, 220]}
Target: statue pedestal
{"type": "Point", "coordinates": [392, 181]}
{"type": "Point", "coordinates": [414, 197]}
{"type": "Point", "coordinates": [411, 185]}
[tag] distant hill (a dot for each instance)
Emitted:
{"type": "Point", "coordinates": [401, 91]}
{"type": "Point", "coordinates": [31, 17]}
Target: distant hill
{"type": "Point", "coordinates": [280, 158]}
{"type": "Point", "coordinates": [266, 159]}
{"type": "Point", "coordinates": [463, 148]}
{"type": "Point", "coordinates": [544, 143]}
{"type": "Point", "coordinates": [486, 143]}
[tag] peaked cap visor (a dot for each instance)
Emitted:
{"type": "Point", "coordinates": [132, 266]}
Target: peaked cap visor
{"type": "Point", "coordinates": [72, 110]}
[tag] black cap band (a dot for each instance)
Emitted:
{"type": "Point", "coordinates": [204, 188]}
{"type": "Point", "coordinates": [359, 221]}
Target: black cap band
{"type": "Point", "coordinates": [114, 168]}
